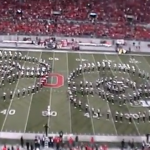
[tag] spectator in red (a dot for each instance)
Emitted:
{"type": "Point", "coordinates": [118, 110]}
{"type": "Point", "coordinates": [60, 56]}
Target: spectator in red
{"type": "Point", "coordinates": [18, 148]}
{"type": "Point", "coordinates": [104, 147]}
{"type": "Point", "coordinates": [100, 148]}
{"type": "Point", "coordinates": [57, 142]}
{"type": "Point", "coordinates": [88, 147]}
{"type": "Point", "coordinates": [4, 148]}
{"type": "Point", "coordinates": [70, 141]}
{"type": "Point", "coordinates": [92, 141]}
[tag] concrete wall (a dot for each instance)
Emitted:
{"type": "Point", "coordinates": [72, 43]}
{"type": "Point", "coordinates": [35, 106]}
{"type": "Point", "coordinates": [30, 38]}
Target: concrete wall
{"type": "Point", "coordinates": [20, 37]}
{"type": "Point", "coordinates": [143, 44]}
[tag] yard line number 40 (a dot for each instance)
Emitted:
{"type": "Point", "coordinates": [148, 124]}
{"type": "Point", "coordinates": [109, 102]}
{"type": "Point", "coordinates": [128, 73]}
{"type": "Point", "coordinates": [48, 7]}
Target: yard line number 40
{"type": "Point", "coordinates": [9, 112]}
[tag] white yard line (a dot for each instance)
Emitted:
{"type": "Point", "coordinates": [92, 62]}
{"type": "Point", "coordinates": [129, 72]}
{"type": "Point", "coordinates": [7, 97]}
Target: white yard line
{"type": "Point", "coordinates": [127, 105]}
{"type": "Point", "coordinates": [88, 101]}
{"type": "Point", "coordinates": [30, 101]}
{"type": "Point", "coordinates": [51, 90]}
{"type": "Point", "coordinates": [145, 61]}
{"type": "Point", "coordinates": [9, 107]}
{"type": "Point", "coordinates": [69, 101]}
{"type": "Point", "coordinates": [108, 105]}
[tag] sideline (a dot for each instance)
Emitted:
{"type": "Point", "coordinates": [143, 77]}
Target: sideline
{"type": "Point", "coordinates": [84, 138]}
{"type": "Point", "coordinates": [82, 52]}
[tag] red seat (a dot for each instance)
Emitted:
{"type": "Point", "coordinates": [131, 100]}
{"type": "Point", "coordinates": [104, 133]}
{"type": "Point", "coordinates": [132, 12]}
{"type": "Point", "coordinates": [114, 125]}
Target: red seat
{"type": "Point", "coordinates": [113, 12]}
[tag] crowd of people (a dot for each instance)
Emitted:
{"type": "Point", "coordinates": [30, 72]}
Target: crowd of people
{"type": "Point", "coordinates": [58, 143]}
{"type": "Point", "coordinates": [112, 18]}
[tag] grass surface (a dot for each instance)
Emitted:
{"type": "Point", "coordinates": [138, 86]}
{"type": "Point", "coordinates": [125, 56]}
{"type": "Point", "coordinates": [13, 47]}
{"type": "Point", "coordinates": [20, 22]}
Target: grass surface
{"type": "Point", "coordinates": [28, 110]}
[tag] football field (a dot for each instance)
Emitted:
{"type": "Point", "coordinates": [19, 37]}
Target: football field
{"type": "Point", "coordinates": [27, 113]}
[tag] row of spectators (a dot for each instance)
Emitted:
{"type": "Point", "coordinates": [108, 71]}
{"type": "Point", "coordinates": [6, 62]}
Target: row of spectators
{"type": "Point", "coordinates": [114, 18]}
{"type": "Point", "coordinates": [72, 29]}
{"type": "Point", "coordinates": [56, 143]}
{"type": "Point", "coordinates": [73, 144]}
{"type": "Point", "coordinates": [110, 10]}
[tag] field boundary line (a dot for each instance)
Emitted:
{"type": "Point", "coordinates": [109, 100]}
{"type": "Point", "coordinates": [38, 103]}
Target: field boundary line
{"type": "Point", "coordinates": [10, 104]}
{"type": "Point", "coordinates": [127, 105]}
{"type": "Point", "coordinates": [70, 51]}
{"type": "Point", "coordinates": [69, 101]}
{"type": "Point", "coordinates": [51, 91]}
{"type": "Point", "coordinates": [88, 99]}
{"type": "Point", "coordinates": [31, 99]}
{"type": "Point", "coordinates": [86, 138]}
{"type": "Point", "coordinates": [107, 102]}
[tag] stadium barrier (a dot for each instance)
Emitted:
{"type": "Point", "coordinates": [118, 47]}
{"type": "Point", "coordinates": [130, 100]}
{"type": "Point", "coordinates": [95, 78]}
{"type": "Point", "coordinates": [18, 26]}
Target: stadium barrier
{"type": "Point", "coordinates": [84, 138]}
{"type": "Point", "coordinates": [94, 44]}
{"type": "Point", "coordinates": [18, 42]}
{"type": "Point", "coordinates": [63, 45]}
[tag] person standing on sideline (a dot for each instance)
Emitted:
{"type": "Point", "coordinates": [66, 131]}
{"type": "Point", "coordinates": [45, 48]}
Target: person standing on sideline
{"type": "Point", "coordinates": [22, 141]}
{"type": "Point", "coordinates": [46, 129]}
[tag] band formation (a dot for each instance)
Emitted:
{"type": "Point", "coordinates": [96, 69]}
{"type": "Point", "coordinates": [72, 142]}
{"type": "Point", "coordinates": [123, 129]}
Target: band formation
{"type": "Point", "coordinates": [12, 69]}
{"type": "Point", "coordinates": [115, 90]}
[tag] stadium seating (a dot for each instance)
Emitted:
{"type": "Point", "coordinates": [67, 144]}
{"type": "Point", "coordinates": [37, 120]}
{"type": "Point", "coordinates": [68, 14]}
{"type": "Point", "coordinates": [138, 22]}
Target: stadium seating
{"type": "Point", "coordinates": [112, 10]}
{"type": "Point", "coordinates": [31, 17]}
{"type": "Point", "coordinates": [71, 29]}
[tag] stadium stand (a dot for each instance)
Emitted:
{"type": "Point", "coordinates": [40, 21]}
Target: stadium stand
{"type": "Point", "coordinates": [114, 19]}
{"type": "Point", "coordinates": [111, 10]}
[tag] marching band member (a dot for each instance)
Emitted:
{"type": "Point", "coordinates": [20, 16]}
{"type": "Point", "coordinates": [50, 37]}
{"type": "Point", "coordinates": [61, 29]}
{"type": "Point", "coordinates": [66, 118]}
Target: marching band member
{"type": "Point", "coordinates": [11, 94]}
{"type": "Point", "coordinates": [93, 111]}
{"type": "Point", "coordinates": [93, 66]}
{"type": "Point", "coordinates": [4, 96]}
{"type": "Point", "coordinates": [75, 102]}
{"type": "Point", "coordinates": [18, 93]}
{"type": "Point", "coordinates": [98, 66]}
{"type": "Point", "coordinates": [86, 108]}
{"type": "Point", "coordinates": [116, 116]}
{"type": "Point", "coordinates": [80, 105]}
{"type": "Point", "coordinates": [23, 91]}
{"type": "Point", "coordinates": [108, 114]}
{"type": "Point", "coordinates": [99, 113]}
{"type": "Point", "coordinates": [29, 89]}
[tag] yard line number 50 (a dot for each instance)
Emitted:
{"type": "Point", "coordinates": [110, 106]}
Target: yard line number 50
{"type": "Point", "coordinates": [10, 112]}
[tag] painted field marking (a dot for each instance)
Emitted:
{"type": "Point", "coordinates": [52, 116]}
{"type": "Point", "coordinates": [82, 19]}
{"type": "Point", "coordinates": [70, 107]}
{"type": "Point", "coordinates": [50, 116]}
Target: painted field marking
{"type": "Point", "coordinates": [88, 103]}
{"type": "Point", "coordinates": [69, 101]}
{"type": "Point", "coordinates": [127, 105]}
{"type": "Point", "coordinates": [80, 52]}
{"type": "Point", "coordinates": [25, 127]}
{"type": "Point", "coordinates": [51, 90]}
{"type": "Point", "coordinates": [9, 107]}
{"type": "Point", "coordinates": [59, 80]}
{"type": "Point", "coordinates": [108, 103]}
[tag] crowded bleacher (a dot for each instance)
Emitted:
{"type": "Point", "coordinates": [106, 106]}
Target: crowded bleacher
{"type": "Point", "coordinates": [111, 19]}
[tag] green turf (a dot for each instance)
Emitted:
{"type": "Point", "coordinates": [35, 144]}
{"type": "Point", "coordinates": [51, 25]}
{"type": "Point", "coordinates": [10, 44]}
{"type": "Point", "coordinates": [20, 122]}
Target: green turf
{"type": "Point", "coordinates": [28, 110]}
